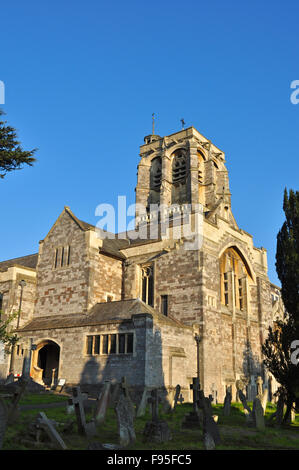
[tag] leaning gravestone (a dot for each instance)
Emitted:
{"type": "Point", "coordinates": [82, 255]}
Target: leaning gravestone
{"type": "Point", "coordinates": [102, 403]}
{"type": "Point", "coordinates": [156, 430]}
{"type": "Point", "coordinates": [3, 421]}
{"type": "Point", "coordinates": [247, 410]}
{"type": "Point", "coordinates": [125, 420]}
{"type": "Point", "coordinates": [143, 403]}
{"type": "Point", "coordinates": [227, 402]}
{"type": "Point", "coordinates": [48, 427]}
{"type": "Point", "coordinates": [176, 397]}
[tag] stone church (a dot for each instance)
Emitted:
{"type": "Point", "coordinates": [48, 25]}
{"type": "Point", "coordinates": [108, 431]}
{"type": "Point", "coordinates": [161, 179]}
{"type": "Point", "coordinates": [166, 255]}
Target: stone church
{"type": "Point", "coordinates": [92, 308]}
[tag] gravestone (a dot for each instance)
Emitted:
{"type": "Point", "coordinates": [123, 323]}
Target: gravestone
{"type": "Point", "coordinates": [227, 402]}
{"type": "Point", "coordinates": [247, 409]}
{"type": "Point", "coordinates": [9, 379]}
{"type": "Point", "coordinates": [258, 414]}
{"type": "Point", "coordinates": [143, 403]}
{"type": "Point", "coordinates": [210, 430]}
{"type": "Point", "coordinates": [124, 388]}
{"type": "Point", "coordinates": [14, 406]}
{"type": "Point", "coordinates": [181, 399]}
{"type": "Point", "coordinates": [77, 400]}
{"type": "Point", "coordinates": [125, 420]}
{"type": "Point", "coordinates": [60, 385]}
{"type": "Point", "coordinates": [114, 394]}
{"type": "Point", "coordinates": [102, 403]}
{"type": "Point", "coordinates": [176, 397]}
{"type": "Point", "coordinates": [48, 427]}
{"type": "Point", "coordinates": [156, 430]}
{"type": "Point", "coordinates": [278, 414]}
{"type": "Point", "coordinates": [194, 418]}
{"type": "Point", "coordinates": [259, 386]}
{"type": "Point", "coordinates": [264, 399]}
{"type": "Point", "coordinates": [3, 421]}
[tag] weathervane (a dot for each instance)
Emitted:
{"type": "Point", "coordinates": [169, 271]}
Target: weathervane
{"type": "Point", "coordinates": [183, 123]}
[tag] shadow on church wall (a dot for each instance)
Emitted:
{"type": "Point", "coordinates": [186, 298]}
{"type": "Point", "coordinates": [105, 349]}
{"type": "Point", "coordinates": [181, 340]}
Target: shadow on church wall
{"type": "Point", "coordinates": [144, 367]}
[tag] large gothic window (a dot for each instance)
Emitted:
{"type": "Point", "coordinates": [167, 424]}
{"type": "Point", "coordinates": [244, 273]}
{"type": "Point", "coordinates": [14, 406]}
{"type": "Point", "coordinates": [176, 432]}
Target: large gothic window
{"type": "Point", "coordinates": [179, 178]}
{"type": "Point", "coordinates": [234, 278]}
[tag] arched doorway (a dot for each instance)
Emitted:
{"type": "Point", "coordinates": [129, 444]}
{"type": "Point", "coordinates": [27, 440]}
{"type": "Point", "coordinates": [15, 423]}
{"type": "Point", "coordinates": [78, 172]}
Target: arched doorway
{"type": "Point", "coordinates": [45, 363]}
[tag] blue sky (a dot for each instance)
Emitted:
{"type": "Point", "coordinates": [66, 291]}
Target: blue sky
{"type": "Point", "coordinates": [82, 80]}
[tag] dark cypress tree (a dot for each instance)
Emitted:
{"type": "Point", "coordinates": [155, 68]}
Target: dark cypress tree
{"type": "Point", "coordinates": [12, 156]}
{"type": "Point", "coordinates": [278, 346]}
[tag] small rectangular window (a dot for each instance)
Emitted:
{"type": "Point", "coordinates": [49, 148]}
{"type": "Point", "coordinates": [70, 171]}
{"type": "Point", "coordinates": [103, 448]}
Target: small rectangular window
{"type": "Point", "coordinates": [69, 256]}
{"type": "Point", "coordinates": [97, 344]}
{"type": "Point", "coordinates": [164, 304]}
{"type": "Point", "coordinates": [105, 344]}
{"type": "Point", "coordinates": [121, 343]}
{"type": "Point", "coordinates": [62, 256]}
{"type": "Point", "coordinates": [129, 342]}
{"type": "Point", "coordinates": [89, 344]}
{"type": "Point", "coordinates": [56, 258]}
{"type": "Point", "coordinates": [112, 344]}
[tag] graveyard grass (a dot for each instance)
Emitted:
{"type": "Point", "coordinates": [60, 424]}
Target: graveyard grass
{"type": "Point", "coordinates": [233, 430]}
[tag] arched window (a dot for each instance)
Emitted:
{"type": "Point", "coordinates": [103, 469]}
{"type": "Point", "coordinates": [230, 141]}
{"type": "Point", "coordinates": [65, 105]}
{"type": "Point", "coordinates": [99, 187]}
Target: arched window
{"type": "Point", "coordinates": [155, 181]}
{"type": "Point", "coordinates": [156, 174]}
{"type": "Point", "coordinates": [179, 167]}
{"type": "Point", "coordinates": [147, 286]}
{"type": "Point", "coordinates": [234, 275]}
{"type": "Point", "coordinates": [179, 178]}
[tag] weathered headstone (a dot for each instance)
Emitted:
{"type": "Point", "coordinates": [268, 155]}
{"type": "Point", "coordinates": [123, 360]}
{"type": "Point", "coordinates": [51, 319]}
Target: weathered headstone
{"type": "Point", "coordinates": [210, 430]}
{"type": "Point", "coordinates": [259, 386]}
{"type": "Point", "coordinates": [124, 387]}
{"type": "Point", "coordinates": [258, 414]}
{"type": "Point", "coordinates": [143, 403]}
{"type": "Point", "coordinates": [3, 421]}
{"type": "Point", "coordinates": [125, 421]}
{"type": "Point", "coordinates": [176, 396]}
{"type": "Point", "coordinates": [48, 427]}
{"type": "Point", "coordinates": [247, 409]}
{"type": "Point", "coordinates": [77, 400]}
{"type": "Point", "coordinates": [194, 418]}
{"type": "Point", "coordinates": [60, 385]}
{"type": "Point", "coordinates": [102, 403]}
{"type": "Point", "coordinates": [227, 402]}
{"type": "Point", "coordinates": [156, 430]}
{"type": "Point", "coordinates": [14, 406]}
{"type": "Point", "coordinates": [264, 399]}
{"type": "Point", "coordinates": [181, 399]}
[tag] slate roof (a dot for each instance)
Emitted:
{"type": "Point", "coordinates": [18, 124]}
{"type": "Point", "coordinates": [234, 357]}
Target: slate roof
{"type": "Point", "coordinates": [101, 313]}
{"type": "Point", "coordinates": [29, 261]}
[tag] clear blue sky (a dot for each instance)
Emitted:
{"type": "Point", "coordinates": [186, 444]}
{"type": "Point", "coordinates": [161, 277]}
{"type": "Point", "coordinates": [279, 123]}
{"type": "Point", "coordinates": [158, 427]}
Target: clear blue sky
{"type": "Point", "coordinates": [83, 79]}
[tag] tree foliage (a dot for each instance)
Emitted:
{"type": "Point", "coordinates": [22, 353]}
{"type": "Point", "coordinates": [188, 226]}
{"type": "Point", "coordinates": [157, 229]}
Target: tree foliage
{"type": "Point", "coordinates": [12, 156]}
{"type": "Point", "coordinates": [278, 346]}
{"type": "Point", "coordinates": [8, 337]}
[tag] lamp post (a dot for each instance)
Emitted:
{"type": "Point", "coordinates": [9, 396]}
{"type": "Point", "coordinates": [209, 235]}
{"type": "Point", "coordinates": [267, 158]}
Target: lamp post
{"type": "Point", "coordinates": [22, 284]}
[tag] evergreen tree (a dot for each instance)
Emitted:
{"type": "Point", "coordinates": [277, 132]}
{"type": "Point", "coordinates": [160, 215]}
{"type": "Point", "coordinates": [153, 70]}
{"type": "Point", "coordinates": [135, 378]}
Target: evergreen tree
{"type": "Point", "coordinates": [12, 156]}
{"type": "Point", "coordinates": [278, 346]}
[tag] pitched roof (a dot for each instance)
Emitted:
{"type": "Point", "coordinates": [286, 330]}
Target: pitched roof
{"type": "Point", "coordinates": [101, 313]}
{"type": "Point", "coordinates": [29, 261]}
